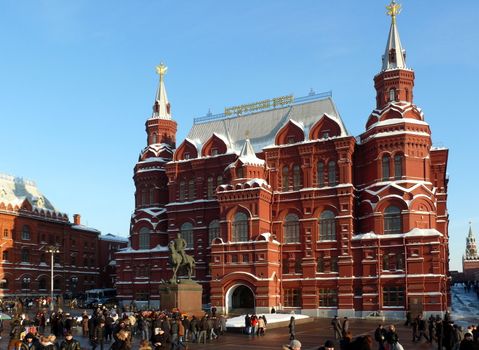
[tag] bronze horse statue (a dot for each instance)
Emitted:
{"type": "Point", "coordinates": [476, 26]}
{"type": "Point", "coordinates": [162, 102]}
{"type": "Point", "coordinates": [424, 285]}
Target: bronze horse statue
{"type": "Point", "coordinates": [176, 261]}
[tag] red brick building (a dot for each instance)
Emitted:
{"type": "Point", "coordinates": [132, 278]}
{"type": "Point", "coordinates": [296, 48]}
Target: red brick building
{"type": "Point", "coordinates": [30, 224]}
{"type": "Point", "coordinates": [470, 260]}
{"type": "Point", "coordinates": [108, 245]}
{"type": "Point", "coordinates": [283, 208]}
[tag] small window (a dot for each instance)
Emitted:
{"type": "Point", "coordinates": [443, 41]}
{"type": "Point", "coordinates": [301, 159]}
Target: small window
{"type": "Point", "coordinates": [291, 139]}
{"type": "Point", "coordinates": [332, 173]}
{"type": "Point", "coordinates": [3, 283]}
{"type": "Point", "coordinates": [26, 233]}
{"type": "Point", "coordinates": [182, 191]}
{"type": "Point", "coordinates": [292, 297]}
{"type": "Point", "coordinates": [239, 173]}
{"type": "Point", "coordinates": [285, 179]}
{"type": "Point", "coordinates": [398, 160]}
{"type": "Point", "coordinates": [5, 255]}
{"type": "Point", "coordinates": [296, 177]}
{"type": "Point", "coordinates": [191, 190]}
{"type": "Point", "coordinates": [211, 188]}
{"type": "Point", "coordinates": [144, 238]}
{"type": "Point", "coordinates": [327, 226]}
{"type": "Point", "coordinates": [285, 266]}
{"type": "Point", "coordinates": [219, 180]}
{"type": "Point", "coordinates": [385, 167]}
{"type": "Point", "coordinates": [234, 258]}
{"type": "Point", "coordinates": [152, 196]}
{"type": "Point", "coordinates": [320, 264]}
{"type": "Point", "coordinates": [392, 95]}
{"type": "Point", "coordinates": [291, 229]}
{"type": "Point", "coordinates": [5, 233]}
{"type": "Point", "coordinates": [214, 151]}
{"type": "Point", "coordinates": [328, 297]}
{"type": "Point", "coordinates": [186, 155]}
{"type": "Point", "coordinates": [320, 174]}
{"type": "Point", "coordinates": [246, 258]}
{"type": "Point", "coordinates": [392, 220]}
{"type": "Point", "coordinates": [25, 255]}
{"type": "Point", "coordinates": [334, 264]}
{"type": "Point", "coordinates": [154, 138]}
{"type": "Point", "coordinates": [298, 265]}
{"type": "Point", "coordinates": [393, 296]}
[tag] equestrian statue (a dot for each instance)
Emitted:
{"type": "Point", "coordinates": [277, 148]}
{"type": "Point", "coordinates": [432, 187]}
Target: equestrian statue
{"type": "Point", "coordinates": [179, 259]}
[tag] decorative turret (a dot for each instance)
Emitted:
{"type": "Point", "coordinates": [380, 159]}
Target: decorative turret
{"type": "Point", "coordinates": [248, 165]}
{"type": "Point", "coordinates": [395, 82]}
{"type": "Point", "coordinates": [160, 127]}
{"type": "Point", "coordinates": [471, 248]}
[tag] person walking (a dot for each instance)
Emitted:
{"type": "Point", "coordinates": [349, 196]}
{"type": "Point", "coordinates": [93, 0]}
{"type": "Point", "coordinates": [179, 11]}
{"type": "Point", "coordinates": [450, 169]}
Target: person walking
{"type": "Point", "coordinates": [336, 327]}
{"type": "Point", "coordinates": [99, 335]}
{"type": "Point", "coordinates": [380, 336]}
{"type": "Point", "coordinates": [345, 328]}
{"type": "Point", "coordinates": [292, 328]}
{"type": "Point", "coordinates": [69, 343]}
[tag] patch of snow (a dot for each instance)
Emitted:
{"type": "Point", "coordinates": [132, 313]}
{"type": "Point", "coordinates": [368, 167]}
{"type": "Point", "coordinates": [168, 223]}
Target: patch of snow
{"type": "Point", "coordinates": [238, 322]}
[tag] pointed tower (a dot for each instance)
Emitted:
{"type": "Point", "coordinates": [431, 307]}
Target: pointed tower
{"type": "Point", "coordinates": [160, 128]}
{"type": "Point", "coordinates": [248, 165]}
{"type": "Point", "coordinates": [395, 82]}
{"type": "Point", "coordinates": [471, 247]}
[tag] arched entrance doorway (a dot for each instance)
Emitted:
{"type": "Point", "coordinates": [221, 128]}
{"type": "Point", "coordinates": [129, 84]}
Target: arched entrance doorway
{"type": "Point", "coordinates": [240, 299]}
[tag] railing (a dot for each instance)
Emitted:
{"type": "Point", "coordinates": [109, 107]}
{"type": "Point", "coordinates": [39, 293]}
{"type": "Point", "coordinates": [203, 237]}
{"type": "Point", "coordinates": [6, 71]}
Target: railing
{"type": "Point", "coordinates": [311, 97]}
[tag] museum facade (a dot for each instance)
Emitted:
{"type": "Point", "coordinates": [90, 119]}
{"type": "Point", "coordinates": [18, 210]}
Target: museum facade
{"type": "Point", "coordinates": [281, 207]}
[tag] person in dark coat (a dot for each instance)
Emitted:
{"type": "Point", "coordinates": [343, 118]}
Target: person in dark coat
{"type": "Point", "coordinates": [345, 328]}
{"type": "Point", "coordinates": [69, 343]}
{"type": "Point", "coordinates": [247, 324]}
{"type": "Point", "coordinates": [336, 327]}
{"type": "Point", "coordinates": [391, 336]}
{"type": "Point", "coordinates": [431, 326]}
{"type": "Point", "coordinates": [380, 336]}
{"type": "Point", "coordinates": [421, 328]}
{"type": "Point", "coordinates": [99, 335]}
{"type": "Point", "coordinates": [158, 339]}
{"type": "Point", "coordinates": [292, 328]}
{"type": "Point", "coordinates": [468, 342]}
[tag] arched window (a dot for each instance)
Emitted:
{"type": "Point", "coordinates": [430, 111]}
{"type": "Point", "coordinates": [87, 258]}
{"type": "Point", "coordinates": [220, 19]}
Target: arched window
{"type": "Point", "coordinates": [392, 220]}
{"type": "Point", "coordinates": [42, 284]}
{"type": "Point", "coordinates": [182, 190]}
{"type": "Point", "coordinates": [392, 95]}
{"type": "Point", "coordinates": [398, 166]}
{"type": "Point", "coordinates": [291, 229]}
{"type": "Point", "coordinates": [154, 138]}
{"type": "Point", "coordinates": [144, 238]}
{"type": "Point", "coordinates": [57, 283]}
{"type": "Point", "coordinates": [187, 234]}
{"type": "Point", "coordinates": [211, 187]}
{"type": "Point", "coordinates": [25, 255]}
{"type": "Point", "coordinates": [152, 196]}
{"type": "Point", "coordinates": [385, 167]}
{"type": "Point", "coordinates": [240, 228]}
{"type": "Point", "coordinates": [26, 232]}
{"type": "Point", "coordinates": [327, 226]}
{"type": "Point", "coordinates": [285, 179]}
{"type": "Point", "coordinates": [213, 230]}
{"type": "Point", "coordinates": [191, 189]}
{"type": "Point", "coordinates": [296, 177]}
{"type": "Point", "coordinates": [320, 174]}
{"type": "Point", "coordinates": [332, 173]}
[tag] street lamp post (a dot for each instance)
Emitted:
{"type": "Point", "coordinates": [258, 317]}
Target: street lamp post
{"type": "Point", "coordinates": [52, 250]}
{"type": "Point", "coordinates": [26, 283]}
{"type": "Point", "coordinates": [74, 280]}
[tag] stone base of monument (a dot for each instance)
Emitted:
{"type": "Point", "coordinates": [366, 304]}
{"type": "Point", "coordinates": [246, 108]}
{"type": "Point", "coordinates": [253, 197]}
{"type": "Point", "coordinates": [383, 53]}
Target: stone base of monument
{"type": "Point", "coordinates": [184, 296]}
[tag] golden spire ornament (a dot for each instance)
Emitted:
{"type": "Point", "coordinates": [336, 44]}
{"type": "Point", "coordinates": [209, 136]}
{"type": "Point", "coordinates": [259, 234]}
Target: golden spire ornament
{"type": "Point", "coordinates": [393, 10]}
{"type": "Point", "coordinates": [161, 70]}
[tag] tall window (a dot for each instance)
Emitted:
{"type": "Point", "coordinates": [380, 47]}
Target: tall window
{"type": "Point", "coordinates": [296, 177]}
{"type": "Point", "coordinates": [25, 255]}
{"type": "Point", "coordinates": [392, 95]}
{"type": "Point", "coordinates": [144, 238]}
{"type": "Point", "coordinates": [213, 230]}
{"type": "Point", "coordinates": [5, 233]}
{"type": "Point", "coordinates": [393, 296]}
{"type": "Point", "coordinates": [334, 264]}
{"type": "Point", "coordinates": [240, 228]}
{"type": "Point", "coordinates": [385, 167]}
{"type": "Point", "coordinates": [239, 173]}
{"type": "Point", "coordinates": [26, 283]}
{"type": "Point", "coordinates": [398, 166]}
{"type": "Point", "coordinates": [320, 264]}
{"type": "Point", "coordinates": [26, 232]}
{"type": "Point", "coordinates": [154, 138]}
{"type": "Point", "coordinates": [182, 190]}
{"type": "Point", "coordinates": [292, 297]}
{"type": "Point", "coordinates": [5, 255]}
{"type": "Point", "coordinates": [285, 266]}
{"type": "Point", "coordinates": [291, 229]}
{"type": "Point", "coordinates": [42, 284]}
{"type": "Point", "coordinates": [385, 262]}
{"type": "Point", "coordinates": [152, 196]}
{"type": "Point", "coordinates": [191, 189]}
{"type": "Point", "coordinates": [211, 187]}
{"type": "Point", "coordinates": [298, 265]}
{"type": "Point", "coordinates": [327, 226]}
{"type": "Point", "coordinates": [187, 234]}
{"type": "Point", "coordinates": [328, 297]}
{"type": "Point", "coordinates": [320, 174]}
{"type": "Point", "coordinates": [285, 179]}
{"type": "Point", "coordinates": [392, 220]}
{"type": "Point", "coordinates": [332, 173]}
{"type": "Point", "coordinates": [143, 197]}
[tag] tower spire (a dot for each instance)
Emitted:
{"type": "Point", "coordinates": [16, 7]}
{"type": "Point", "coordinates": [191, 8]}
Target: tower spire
{"type": "Point", "coordinates": [394, 57]}
{"type": "Point", "coordinates": [161, 108]}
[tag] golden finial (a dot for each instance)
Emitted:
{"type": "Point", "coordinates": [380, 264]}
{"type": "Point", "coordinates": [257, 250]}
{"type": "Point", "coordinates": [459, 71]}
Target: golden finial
{"type": "Point", "coordinates": [161, 69]}
{"type": "Point", "coordinates": [393, 9]}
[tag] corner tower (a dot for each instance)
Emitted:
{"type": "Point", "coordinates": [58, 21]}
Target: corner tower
{"type": "Point", "coordinates": [395, 82]}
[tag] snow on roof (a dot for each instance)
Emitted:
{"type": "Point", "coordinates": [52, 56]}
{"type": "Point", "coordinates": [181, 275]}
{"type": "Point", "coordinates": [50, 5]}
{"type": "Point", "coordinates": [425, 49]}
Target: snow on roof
{"type": "Point", "coordinates": [129, 250]}
{"type": "Point", "coordinates": [415, 232]}
{"type": "Point", "coordinates": [113, 238]}
{"type": "Point", "coordinates": [85, 228]}
{"type": "Point", "coordinates": [394, 133]}
{"type": "Point", "coordinates": [261, 127]}
{"type": "Point", "coordinates": [248, 155]}
{"type": "Point", "coordinates": [393, 121]}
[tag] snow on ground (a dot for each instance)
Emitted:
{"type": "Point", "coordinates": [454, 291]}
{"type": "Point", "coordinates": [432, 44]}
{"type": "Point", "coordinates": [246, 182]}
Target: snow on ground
{"type": "Point", "coordinates": [238, 322]}
{"type": "Point", "coordinates": [465, 306]}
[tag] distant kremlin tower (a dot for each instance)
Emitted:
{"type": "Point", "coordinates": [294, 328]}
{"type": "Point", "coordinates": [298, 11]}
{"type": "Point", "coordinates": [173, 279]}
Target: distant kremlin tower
{"type": "Point", "coordinates": [282, 207]}
{"type": "Point", "coordinates": [470, 260]}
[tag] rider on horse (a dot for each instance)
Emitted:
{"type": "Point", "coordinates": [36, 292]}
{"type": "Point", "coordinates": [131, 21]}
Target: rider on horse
{"type": "Point", "coordinates": [180, 245]}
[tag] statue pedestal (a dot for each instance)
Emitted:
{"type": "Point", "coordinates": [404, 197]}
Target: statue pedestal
{"type": "Point", "coordinates": [184, 296]}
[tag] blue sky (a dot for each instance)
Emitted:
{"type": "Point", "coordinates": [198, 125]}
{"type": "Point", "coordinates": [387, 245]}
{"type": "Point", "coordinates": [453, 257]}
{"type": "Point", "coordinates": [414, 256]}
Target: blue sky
{"type": "Point", "coordinates": [77, 82]}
